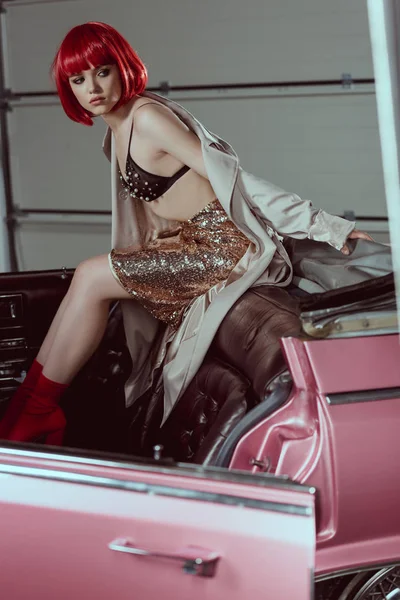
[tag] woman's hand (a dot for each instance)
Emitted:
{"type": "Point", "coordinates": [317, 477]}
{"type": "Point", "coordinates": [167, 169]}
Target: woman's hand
{"type": "Point", "coordinates": [354, 235]}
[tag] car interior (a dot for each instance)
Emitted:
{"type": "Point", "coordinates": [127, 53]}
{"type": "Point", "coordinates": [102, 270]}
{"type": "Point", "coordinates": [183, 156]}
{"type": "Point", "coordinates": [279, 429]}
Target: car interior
{"type": "Point", "coordinates": [242, 379]}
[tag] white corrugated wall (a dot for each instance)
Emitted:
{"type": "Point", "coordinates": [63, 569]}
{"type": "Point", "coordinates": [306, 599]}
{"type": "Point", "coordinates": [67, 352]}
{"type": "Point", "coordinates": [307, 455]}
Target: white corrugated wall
{"type": "Point", "coordinates": [321, 143]}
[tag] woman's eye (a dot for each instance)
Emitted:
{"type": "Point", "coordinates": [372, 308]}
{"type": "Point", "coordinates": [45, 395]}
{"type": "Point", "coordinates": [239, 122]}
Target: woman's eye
{"type": "Point", "coordinates": [104, 72]}
{"type": "Point", "coordinates": [78, 80]}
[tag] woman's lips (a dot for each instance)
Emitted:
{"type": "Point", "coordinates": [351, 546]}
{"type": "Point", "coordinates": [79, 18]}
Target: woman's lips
{"type": "Point", "coordinates": [97, 101]}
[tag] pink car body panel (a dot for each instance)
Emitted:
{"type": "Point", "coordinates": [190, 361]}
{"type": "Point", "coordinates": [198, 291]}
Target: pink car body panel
{"type": "Point", "coordinates": [346, 446]}
{"type": "Point", "coordinates": [352, 364]}
{"type": "Point", "coordinates": [66, 523]}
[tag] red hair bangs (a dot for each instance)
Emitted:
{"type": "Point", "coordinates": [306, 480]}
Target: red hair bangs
{"type": "Point", "coordinates": [91, 45]}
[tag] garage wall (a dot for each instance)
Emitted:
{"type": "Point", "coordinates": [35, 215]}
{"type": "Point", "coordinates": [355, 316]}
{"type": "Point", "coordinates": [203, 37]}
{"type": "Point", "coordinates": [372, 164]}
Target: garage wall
{"type": "Point", "coordinates": [323, 145]}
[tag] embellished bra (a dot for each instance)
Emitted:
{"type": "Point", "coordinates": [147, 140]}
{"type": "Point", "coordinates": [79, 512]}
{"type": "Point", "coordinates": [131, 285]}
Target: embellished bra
{"type": "Point", "coordinates": [147, 186]}
{"type": "Point", "coordinates": [142, 184]}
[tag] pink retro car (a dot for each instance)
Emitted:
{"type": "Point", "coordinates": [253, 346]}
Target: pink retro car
{"type": "Point", "coordinates": [276, 476]}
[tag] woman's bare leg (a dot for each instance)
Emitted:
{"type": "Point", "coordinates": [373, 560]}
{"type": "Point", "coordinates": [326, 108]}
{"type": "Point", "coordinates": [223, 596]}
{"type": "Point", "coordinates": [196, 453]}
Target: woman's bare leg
{"type": "Point", "coordinates": [84, 319]}
{"type": "Point", "coordinates": [52, 332]}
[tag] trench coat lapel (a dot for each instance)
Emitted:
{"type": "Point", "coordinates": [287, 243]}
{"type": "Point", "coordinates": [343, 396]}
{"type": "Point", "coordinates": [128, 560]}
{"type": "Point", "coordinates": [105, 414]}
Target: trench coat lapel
{"type": "Point", "coordinates": [206, 314]}
{"type": "Point", "coordinates": [107, 143]}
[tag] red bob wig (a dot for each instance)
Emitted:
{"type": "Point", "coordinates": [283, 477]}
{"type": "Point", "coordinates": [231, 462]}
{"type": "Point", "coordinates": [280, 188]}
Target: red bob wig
{"type": "Point", "coordinates": [90, 45]}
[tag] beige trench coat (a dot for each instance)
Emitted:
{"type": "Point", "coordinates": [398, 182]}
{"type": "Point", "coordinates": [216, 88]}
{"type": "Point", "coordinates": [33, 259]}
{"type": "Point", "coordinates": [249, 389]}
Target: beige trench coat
{"type": "Point", "coordinates": [262, 211]}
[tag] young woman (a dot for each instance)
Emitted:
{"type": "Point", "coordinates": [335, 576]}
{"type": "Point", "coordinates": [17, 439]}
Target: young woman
{"type": "Point", "coordinates": [191, 232]}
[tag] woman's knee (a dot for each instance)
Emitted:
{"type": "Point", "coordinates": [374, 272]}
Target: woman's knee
{"type": "Point", "coordinates": [91, 275]}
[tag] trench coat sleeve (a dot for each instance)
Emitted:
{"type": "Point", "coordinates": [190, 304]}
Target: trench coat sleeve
{"type": "Point", "coordinates": [290, 215]}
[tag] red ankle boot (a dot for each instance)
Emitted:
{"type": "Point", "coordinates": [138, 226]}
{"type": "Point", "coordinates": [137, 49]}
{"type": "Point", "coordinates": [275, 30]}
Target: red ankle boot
{"type": "Point", "coordinates": [19, 398]}
{"type": "Point", "coordinates": [41, 417]}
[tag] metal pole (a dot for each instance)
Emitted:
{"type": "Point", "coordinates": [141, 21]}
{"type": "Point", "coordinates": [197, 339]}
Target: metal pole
{"type": "Point", "coordinates": [384, 25]}
{"type": "Point", "coordinates": [9, 261]}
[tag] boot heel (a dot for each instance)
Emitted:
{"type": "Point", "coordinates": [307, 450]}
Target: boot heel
{"type": "Point", "coordinates": [55, 438]}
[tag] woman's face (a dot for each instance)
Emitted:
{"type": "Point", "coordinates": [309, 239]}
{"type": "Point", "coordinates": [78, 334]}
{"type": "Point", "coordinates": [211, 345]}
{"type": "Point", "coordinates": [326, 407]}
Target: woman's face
{"type": "Point", "coordinates": [97, 89]}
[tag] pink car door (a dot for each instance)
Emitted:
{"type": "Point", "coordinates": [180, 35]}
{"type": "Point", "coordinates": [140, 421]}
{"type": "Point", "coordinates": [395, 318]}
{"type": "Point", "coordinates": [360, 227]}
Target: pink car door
{"type": "Point", "coordinates": [79, 527]}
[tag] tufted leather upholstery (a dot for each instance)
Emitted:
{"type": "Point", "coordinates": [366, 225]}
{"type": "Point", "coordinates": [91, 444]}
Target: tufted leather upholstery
{"type": "Point", "coordinates": [243, 358]}
{"type": "Point", "coordinates": [248, 338]}
{"type": "Point", "coordinates": [214, 402]}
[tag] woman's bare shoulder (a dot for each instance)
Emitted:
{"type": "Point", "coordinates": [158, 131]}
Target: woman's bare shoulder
{"type": "Point", "coordinates": [148, 106]}
{"type": "Point", "coordinates": [150, 115]}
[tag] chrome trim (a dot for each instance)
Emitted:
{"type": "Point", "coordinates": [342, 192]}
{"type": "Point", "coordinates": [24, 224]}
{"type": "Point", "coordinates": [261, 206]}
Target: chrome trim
{"type": "Point", "coordinates": [18, 343]}
{"type": "Point", "coordinates": [357, 325]}
{"type": "Point", "coordinates": [157, 451]}
{"type": "Point", "coordinates": [200, 566]}
{"type": "Point", "coordinates": [263, 464]}
{"type": "Point", "coordinates": [312, 583]}
{"type": "Point", "coordinates": [277, 392]}
{"type": "Point", "coordinates": [11, 295]}
{"type": "Point", "coordinates": [156, 490]}
{"type": "Point", "coordinates": [375, 316]}
{"type": "Point", "coordinates": [354, 570]}
{"type": "Point", "coordinates": [385, 301]}
{"type": "Point", "coordinates": [377, 579]}
{"type": "Point", "coordinates": [7, 380]}
{"type": "Point", "coordinates": [14, 304]}
{"type": "Point", "coordinates": [11, 361]}
{"type": "Point", "coordinates": [363, 396]}
{"type": "Point", "coordinates": [165, 466]}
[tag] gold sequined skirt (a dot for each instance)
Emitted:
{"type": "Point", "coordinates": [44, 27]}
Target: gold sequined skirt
{"type": "Point", "coordinates": [166, 275]}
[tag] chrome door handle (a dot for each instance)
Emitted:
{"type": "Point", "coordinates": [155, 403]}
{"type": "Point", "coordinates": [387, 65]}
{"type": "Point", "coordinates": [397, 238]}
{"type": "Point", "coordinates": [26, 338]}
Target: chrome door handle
{"type": "Point", "coordinates": [195, 561]}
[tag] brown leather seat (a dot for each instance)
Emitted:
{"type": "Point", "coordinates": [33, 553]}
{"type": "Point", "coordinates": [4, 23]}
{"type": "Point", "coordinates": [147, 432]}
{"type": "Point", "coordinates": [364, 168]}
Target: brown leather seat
{"type": "Point", "coordinates": [245, 355]}
{"type": "Point", "coordinates": [243, 358]}
{"type": "Point", "coordinates": [215, 401]}
{"type": "Point", "coordinates": [248, 338]}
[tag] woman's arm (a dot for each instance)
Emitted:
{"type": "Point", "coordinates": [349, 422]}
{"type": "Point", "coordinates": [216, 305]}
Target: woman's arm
{"type": "Point", "coordinates": [165, 131]}
{"type": "Point", "coordinates": [295, 217]}
{"type": "Point", "coordinates": [288, 213]}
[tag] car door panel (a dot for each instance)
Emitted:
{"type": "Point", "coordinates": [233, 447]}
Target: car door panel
{"type": "Point", "coordinates": [70, 532]}
{"type": "Point", "coordinates": [28, 303]}
{"type": "Point", "coordinates": [36, 296]}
